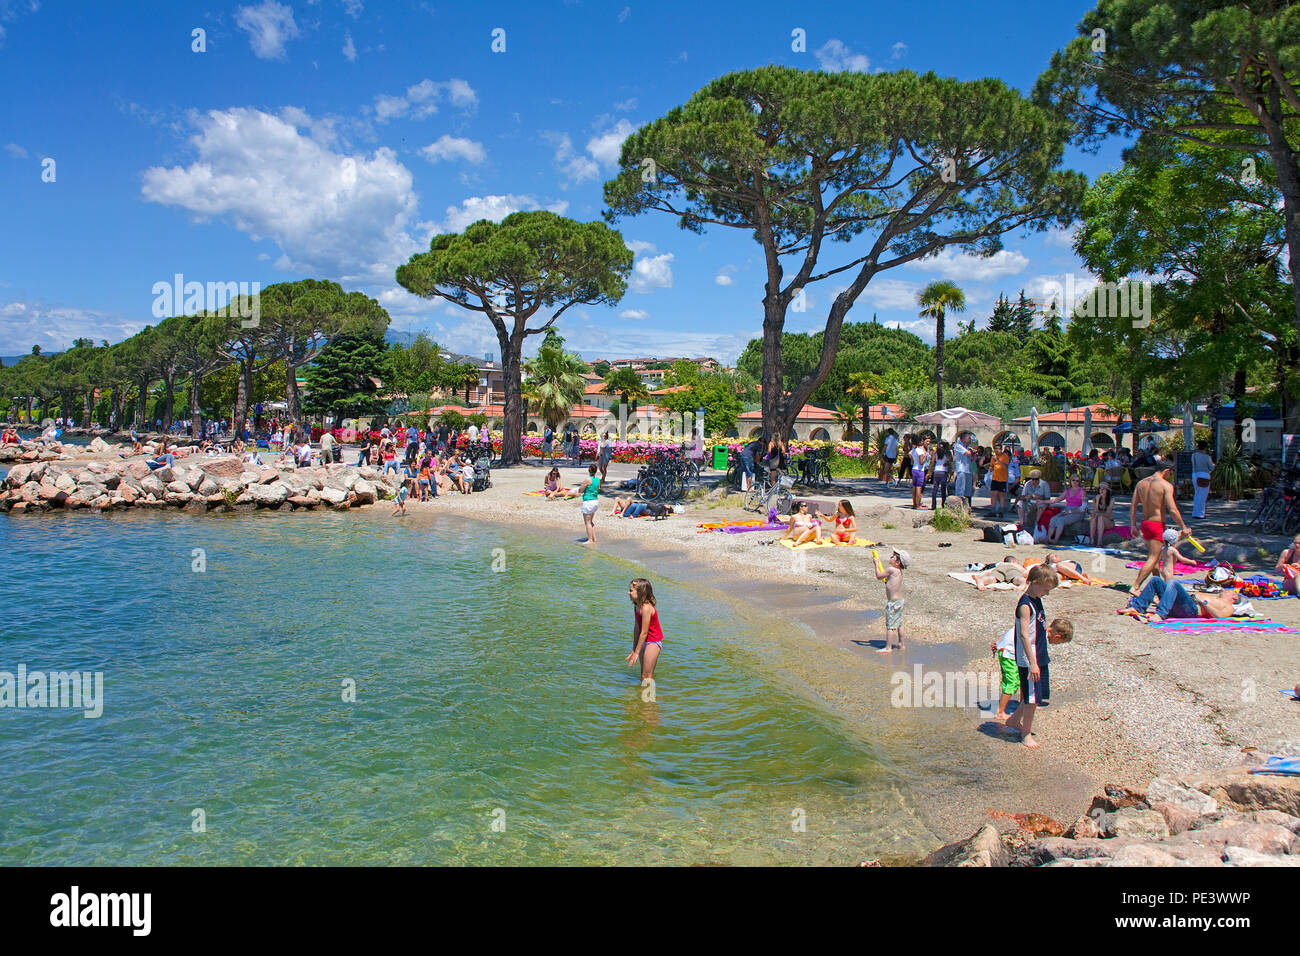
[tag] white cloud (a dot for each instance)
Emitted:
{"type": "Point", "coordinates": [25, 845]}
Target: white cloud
{"type": "Point", "coordinates": [634, 314]}
{"type": "Point", "coordinates": [494, 208]}
{"type": "Point", "coordinates": [639, 245]}
{"type": "Point", "coordinates": [653, 272]}
{"type": "Point", "coordinates": [835, 57]}
{"type": "Point", "coordinates": [1061, 238]}
{"type": "Point", "coordinates": [624, 14]}
{"type": "Point", "coordinates": [626, 106]}
{"type": "Point", "coordinates": [454, 147]}
{"type": "Point", "coordinates": [625, 339]}
{"type": "Point", "coordinates": [16, 151]}
{"type": "Point", "coordinates": [721, 279]}
{"type": "Point", "coordinates": [575, 167]}
{"type": "Point", "coordinates": [605, 146]}
{"type": "Point", "coordinates": [269, 26]}
{"type": "Point", "coordinates": [349, 48]}
{"type": "Point", "coordinates": [421, 99]}
{"type": "Point", "coordinates": [891, 294]}
{"type": "Point", "coordinates": [898, 50]}
{"type": "Point", "coordinates": [54, 328]}
{"type": "Point", "coordinates": [956, 265]}
{"type": "Point", "coordinates": [353, 8]}
{"type": "Point", "coordinates": [336, 214]}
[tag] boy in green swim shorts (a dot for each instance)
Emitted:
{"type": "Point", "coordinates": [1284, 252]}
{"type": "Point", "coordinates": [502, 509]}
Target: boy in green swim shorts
{"type": "Point", "coordinates": [1004, 650]}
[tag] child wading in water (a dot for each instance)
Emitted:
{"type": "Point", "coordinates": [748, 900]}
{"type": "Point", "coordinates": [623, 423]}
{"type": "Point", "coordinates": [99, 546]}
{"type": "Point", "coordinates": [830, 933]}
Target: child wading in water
{"type": "Point", "coordinates": [893, 579]}
{"type": "Point", "coordinates": [647, 636]}
{"type": "Point", "coordinates": [1032, 638]}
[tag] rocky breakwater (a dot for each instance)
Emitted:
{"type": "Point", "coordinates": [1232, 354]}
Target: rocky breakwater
{"type": "Point", "coordinates": [200, 483]}
{"type": "Point", "coordinates": [1228, 817]}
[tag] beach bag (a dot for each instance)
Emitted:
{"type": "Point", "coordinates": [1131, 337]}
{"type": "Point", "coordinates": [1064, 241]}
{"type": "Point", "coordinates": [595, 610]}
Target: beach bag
{"type": "Point", "coordinates": [1202, 482]}
{"type": "Point", "coordinates": [1024, 537]}
{"type": "Point", "coordinates": [993, 535]}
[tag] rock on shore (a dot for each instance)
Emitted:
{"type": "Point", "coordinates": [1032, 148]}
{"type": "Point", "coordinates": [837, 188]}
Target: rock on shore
{"type": "Point", "coordinates": [1225, 817]}
{"type": "Point", "coordinates": [196, 483]}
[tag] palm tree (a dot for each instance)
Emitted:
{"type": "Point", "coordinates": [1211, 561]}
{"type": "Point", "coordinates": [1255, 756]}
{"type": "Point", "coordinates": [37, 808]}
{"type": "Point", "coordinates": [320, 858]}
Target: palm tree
{"type": "Point", "coordinates": [554, 383]}
{"type": "Point", "coordinates": [628, 384]}
{"type": "Point", "coordinates": [936, 301]}
{"type": "Point", "coordinates": [867, 388]}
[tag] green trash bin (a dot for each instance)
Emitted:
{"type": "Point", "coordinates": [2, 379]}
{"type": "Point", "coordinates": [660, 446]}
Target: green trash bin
{"type": "Point", "coordinates": [720, 457]}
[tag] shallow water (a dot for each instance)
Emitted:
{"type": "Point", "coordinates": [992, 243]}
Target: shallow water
{"type": "Point", "coordinates": [494, 720]}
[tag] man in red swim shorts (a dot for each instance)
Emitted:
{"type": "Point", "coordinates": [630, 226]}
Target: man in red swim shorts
{"type": "Point", "coordinates": [1155, 496]}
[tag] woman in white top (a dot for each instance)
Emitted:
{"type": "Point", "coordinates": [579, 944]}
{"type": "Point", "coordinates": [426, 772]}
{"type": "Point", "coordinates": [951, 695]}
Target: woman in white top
{"type": "Point", "coordinates": [920, 456]}
{"type": "Point", "coordinates": [1202, 465]}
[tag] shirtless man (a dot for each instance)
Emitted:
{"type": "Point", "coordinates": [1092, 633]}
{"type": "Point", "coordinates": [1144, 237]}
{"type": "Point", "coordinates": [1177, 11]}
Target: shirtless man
{"type": "Point", "coordinates": [1155, 496]}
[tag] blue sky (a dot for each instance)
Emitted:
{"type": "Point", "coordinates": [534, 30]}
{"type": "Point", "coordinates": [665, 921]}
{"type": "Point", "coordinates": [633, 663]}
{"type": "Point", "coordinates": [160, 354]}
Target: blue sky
{"type": "Point", "coordinates": [332, 139]}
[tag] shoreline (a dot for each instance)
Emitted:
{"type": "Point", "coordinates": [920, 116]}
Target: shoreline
{"type": "Point", "coordinates": [1131, 703]}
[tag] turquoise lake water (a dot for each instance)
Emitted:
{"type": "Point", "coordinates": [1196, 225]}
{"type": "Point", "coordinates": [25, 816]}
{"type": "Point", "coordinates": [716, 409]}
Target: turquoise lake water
{"type": "Point", "coordinates": [494, 722]}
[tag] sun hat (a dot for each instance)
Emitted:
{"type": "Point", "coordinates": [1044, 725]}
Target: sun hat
{"type": "Point", "coordinates": [1035, 473]}
{"type": "Point", "coordinates": [904, 559]}
{"type": "Point", "coordinates": [1171, 535]}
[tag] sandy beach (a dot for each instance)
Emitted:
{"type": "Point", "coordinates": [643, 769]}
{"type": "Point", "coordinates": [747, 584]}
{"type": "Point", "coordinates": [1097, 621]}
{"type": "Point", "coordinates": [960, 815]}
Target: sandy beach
{"type": "Point", "coordinates": [1129, 702]}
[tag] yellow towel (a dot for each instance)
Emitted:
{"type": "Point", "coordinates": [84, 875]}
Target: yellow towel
{"type": "Point", "coordinates": [827, 543]}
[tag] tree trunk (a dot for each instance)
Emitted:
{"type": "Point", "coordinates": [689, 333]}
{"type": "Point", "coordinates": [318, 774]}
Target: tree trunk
{"type": "Point", "coordinates": [1288, 181]}
{"type": "Point", "coordinates": [169, 399]}
{"type": "Point", "coordinates": [776, 420]}
{"type": "Point", "coordinates": [87, 406]}
{"type": "Point", "coordinates": [1135, 408]}
{"type": "Point", "coordinates": [866, 430]}
{"type": "Point", "coordinates": [142, 407]}
{"type": "Point", "coordinates": [291, 396]}
{"type": "Point", "coordinates": [1238, 393]}
{"type": "Point", "coordinates": [938, 360]}
{"type": "Point", "coordinates": [196, 386]}
{"type": "Point", "coordinates": [243, 394]}
{"type": "Point", "coordinates": [511, 365]}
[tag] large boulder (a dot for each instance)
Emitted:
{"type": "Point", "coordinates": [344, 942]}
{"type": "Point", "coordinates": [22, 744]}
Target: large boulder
{"type": "Point", "coordinates": [226, 466]}
{"type": "Point", "coordinates": [333, 496]}
{"type": "Point", "coordinates": [138, 470]}
{"type": "Point", "coordinates": [983, 848]}
{"type": "Point", "coordinates": [126, 493]}
{"type": "Point", "coordinates": [269, 495]}
{"type": "Point", "coordinates": [1240, 856]}
{"type": "Point", "coordinates": [65, 482]}
{"type": "Point", "coordinates": [1239, 789]}
{"type": "Point", "coordinates": [1137, 824]}
{"type": "Point", "coordinates": [248, 477]}
{"type": "Point", "coordinates": [153, 485]}
{"type": "Point", "coordinates": [18, 476]}
{"type": "Point", "coordinates": [299, 483]}
{"type": "Point", "coordinates": [101, 447]}
{"type": "Point", "coordinates": [1260, 837]}
{"type": "Point", "coordinates": [193, 478]}
{"type": "Point", "coordinates": [208, 487]}
{"type": "Point", "coordinates": [267, 475]}
{"type": "Point", "coordinates": [365, 491]}
{"type": "Point", "coordinates": [1040, 852]}
{"type": "Point", "coordinates": [178, 487]}
{"type": "Point", "coordinates": [343, 481]}
{"type": "Point", "coordinates": [30, 491]}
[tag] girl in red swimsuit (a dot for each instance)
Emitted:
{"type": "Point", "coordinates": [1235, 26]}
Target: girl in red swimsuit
{"type": "Point", "coordinates": [846, 523]}
{"type": "Point", "coordinates": [647, 636]}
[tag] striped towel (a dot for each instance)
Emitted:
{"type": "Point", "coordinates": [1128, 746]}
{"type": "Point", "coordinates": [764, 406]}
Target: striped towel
{"type": "Point", "coordinates": [1211, 625]}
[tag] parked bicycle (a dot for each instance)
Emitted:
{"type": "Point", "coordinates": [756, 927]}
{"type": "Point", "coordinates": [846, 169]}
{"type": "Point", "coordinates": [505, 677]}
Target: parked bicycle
{"type": "Point", "coordinates": [815, 469]}
{"type": "Point", "coordinates": [768, 488]}
{"type": "Point", "coordinates": [1278, 511]}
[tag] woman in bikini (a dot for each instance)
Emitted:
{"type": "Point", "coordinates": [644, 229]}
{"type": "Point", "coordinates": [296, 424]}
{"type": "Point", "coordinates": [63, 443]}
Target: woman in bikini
{"type": "Point", "coordinates": [647, 635]}
{"type": "Point", "coordinates": [808, 528]}
{"type": "Point", "coordinates": [846, 523]}
{"type": "Point", "coordinates": [1288, 565]}
{"type": "Point", "coordinates": [1103, 515]}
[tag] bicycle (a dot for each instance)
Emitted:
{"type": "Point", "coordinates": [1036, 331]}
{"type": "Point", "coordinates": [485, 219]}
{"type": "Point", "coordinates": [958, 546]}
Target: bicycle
{"type": "Point", "coordinates": [1277, 509]}
{"type": "Point", "coordinates": [766, 488]}
{"type": "Point", "coordinates": [815, 469]}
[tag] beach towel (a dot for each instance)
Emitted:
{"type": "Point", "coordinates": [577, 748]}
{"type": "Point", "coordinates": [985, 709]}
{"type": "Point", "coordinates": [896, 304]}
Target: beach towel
{"type": "Point", "coordinates": [766, 526]}
{"type": "Point", "coordinates": [965, 577]}
{"type": "Point", "coordinates": [705, 526]}
{"type": "Point", "coordinates": [1290, 692]}
{"type": "Point", "coordinates": [1283, 766]}
{"type": "Point", "coordinates": [1181, 568]}
{"type": "Point", "coordinates": [1090, 549]}
{"type": "Point", "coordinates": [827, 543]}
{"type": "Point", "coordinates": [1180, 625]}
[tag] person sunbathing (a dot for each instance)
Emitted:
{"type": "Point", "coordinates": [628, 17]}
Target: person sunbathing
{"type": "Point", "coordinates": [1288, 565]}
{"type": "Point", "coordinates": [1006, 571]}
{"type": "Point", "coordinates": [804, 527]}
{"type": "Point", "coordinates": [630, 508]}
{"type": "Point", "coordinates": [1175, 601]}
{"type": "Point", "coordinates": [1070, 570]}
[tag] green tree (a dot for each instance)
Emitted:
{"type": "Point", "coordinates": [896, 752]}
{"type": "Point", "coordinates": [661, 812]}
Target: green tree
{"type": "Point", "coordinates": [626, 383]}
{"type": "Point", "coordinates": [1220, 73]}
{"type": "Point", "coordinates": [936, 300]}
{"type": "Point", "coordinates": [511, 270]}
{"type": "Point", "coordinates": [716, 394]}
{"type": "Point", "coordinates": [341, 382]}
{"type": "Point", "coordinates": [555, 383]}
{"type": "Point", "coordinates": [800, 160]}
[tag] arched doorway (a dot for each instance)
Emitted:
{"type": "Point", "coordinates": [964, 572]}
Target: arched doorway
{"type": "Point", "coordinates": [1053, 440]}
{"type": "Point", "coordinates": [819, 434]}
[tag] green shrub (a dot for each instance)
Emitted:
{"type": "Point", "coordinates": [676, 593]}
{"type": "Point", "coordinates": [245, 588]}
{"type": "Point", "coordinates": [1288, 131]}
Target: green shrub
{"type": "Point", "coordinates": [950, 519]}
